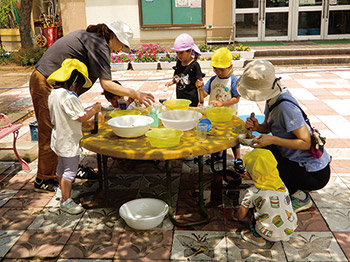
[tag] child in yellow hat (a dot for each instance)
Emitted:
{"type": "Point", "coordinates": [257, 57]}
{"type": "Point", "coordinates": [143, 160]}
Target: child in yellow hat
{"type": "Point", "coordinates": [223, 92]}
{"type": "Point", "coordinates": [273, 217]}
{"type": "Point", "coordinates": [67, 115]}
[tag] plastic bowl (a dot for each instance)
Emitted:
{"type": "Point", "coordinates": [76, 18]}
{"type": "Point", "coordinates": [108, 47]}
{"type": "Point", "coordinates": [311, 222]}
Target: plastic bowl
{"type": "Point", "coordinates": [180, 119]}
{"type": "Point", "coordinates": [220, 114]}
{"type": "Point", "coordinates": [130, 125]}
{"type": "Point", "coordinates": [124, 113]}
{"type": "Point", "coordinates": [143, 213]}
{"type": "Point", "coordinates": [244, 140]}
{"type": "Point", "coordinates": [164, 137]}
{"type": "Point", "coordinates": [177, 104]}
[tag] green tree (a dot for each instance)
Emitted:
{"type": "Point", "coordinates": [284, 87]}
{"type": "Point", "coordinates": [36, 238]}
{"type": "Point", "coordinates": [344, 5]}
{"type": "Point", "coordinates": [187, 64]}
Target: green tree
{"type": "Point", "coordinates": [5, 9]}
{"type": "Point", "coordinates": [24, 23]}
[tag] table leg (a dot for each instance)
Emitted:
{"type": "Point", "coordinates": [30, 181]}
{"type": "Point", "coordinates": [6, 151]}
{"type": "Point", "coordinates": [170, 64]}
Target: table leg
{"type": "Point", "coordinates": [204, 214]}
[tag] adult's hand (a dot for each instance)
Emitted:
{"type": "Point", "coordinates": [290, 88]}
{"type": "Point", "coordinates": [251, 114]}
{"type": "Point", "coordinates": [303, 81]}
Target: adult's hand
{"type": "Point", "coordinates": [262, 141]}
{"type": "Point", "coordinates": [145, 98]}
{"type": "Point", "coordinates": [252, 123]}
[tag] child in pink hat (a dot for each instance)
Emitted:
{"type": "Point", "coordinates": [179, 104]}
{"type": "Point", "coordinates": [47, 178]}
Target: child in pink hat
{"type": "Point", "coordinates": [188, 75]}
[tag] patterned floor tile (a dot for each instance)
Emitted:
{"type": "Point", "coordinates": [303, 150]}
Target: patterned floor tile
{"type": "Point", "coordinates": [54, 219]}
{"type": "Point", "coordinates": [6, 195]}
{"type": "Point", "coordinates": [343, 240]}
{"type": "Point", "coordinates": [145, 245]}
{"type": "Point", "coordinates": [92, 244]}
{"type": "Point", "coordinates": [311, 220]}
{"type": "Point", "coordinates": [199, 246]}
{"type": "Point", "coordinates": [240, 250]}
{"type": "Point", "coordinates": [101, 219]}
{"type": "Point", "coordinates": [337, 219]}
{"type": "Point", "coordinates": [17, 218]}
{"type": "Point", "coordinates": [39, 243]}
{"type": "Point", "coordinates": [313, 246]}
{"type": "Point", "coordinates": [7, 239]}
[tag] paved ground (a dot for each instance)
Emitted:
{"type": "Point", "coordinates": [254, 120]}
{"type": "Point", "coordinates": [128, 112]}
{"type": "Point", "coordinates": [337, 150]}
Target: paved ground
{"type": "Point", "coordinates": [32, 227]}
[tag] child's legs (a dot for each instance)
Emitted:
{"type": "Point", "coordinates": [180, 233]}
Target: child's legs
{"type": "Point", "coordinates": [237, 151]}
{"type": "Point", "coordinates": [67, 169]}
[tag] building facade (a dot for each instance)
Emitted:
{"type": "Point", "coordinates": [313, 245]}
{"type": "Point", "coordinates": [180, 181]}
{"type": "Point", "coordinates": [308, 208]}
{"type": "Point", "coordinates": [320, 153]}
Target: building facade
{"type": "Point", "coordinates": [211, 21]}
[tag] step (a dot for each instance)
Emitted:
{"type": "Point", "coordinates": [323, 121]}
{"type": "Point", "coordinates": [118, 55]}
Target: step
{"type": "Point", "coordinates": [302, 51]}
{"type": "Point", "coordinates": [305, 59]}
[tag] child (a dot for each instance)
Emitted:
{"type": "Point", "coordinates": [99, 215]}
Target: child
{"type": "Point", "coordinates": [274, 218]}
{"type": "Point", "coordinates": [113, 99]}
{"type": "Point", "coordinates": [188, 75]}
{"type": "Point", "coordinates": [67, 115]}
{"type": "Point", "coordinates": [223, 92]}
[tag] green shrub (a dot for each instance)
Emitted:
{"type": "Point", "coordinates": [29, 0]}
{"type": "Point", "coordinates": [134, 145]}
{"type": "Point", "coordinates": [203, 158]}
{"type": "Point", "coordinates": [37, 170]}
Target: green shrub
{"type": "Point", "coordinates": [5, 57]}
{"type": "Point", "coordinates": [28, 56]}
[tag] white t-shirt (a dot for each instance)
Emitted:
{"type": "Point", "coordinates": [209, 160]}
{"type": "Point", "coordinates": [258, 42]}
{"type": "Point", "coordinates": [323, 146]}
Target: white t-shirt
{"type": "Point", "coordinates": [65, 108]}
{"type": "Point", "coordinates": [273, 211]}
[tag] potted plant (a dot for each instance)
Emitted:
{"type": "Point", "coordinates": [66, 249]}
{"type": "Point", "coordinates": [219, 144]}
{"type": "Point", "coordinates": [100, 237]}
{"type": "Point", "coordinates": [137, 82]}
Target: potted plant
{"type": "Point", "coordinates": [204, 62]}
{"type": "Point", "coordinates": [121, 61]}
{"type": "Point", "coordinates": [207, 50]}
{"type": "Point", "coordinates": [244, 51]}
{"type": "Point", "coordinates": [167, 62]}
{"type": "Point", "coordinates": [145, 59]}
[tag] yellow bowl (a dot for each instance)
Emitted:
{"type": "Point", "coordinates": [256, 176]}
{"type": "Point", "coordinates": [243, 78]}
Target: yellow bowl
{"type": "Point", "coordinates": [124, 113]}
{"type": "Point", "coordinates": [164, 137]}
{"type": "Point", "coordinates": [177, 103]}
{"type": "Point", "coordinates": [220, 114]}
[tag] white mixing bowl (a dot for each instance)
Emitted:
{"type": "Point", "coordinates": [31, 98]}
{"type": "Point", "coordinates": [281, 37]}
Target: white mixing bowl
{"type": "Point", "coordinates": [130, 125]}
{"type": "Point", "coordinates": [180, 119]}
{"type": "Point", "coordinates": [143, 213]}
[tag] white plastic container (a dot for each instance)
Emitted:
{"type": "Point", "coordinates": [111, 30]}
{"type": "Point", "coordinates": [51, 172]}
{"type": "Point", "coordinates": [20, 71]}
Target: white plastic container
{"type": "Point", "coordinates": [183, 120]}
{"type": "Point", "coordinates": [143, 213]}
{"type": "Point", "coordinates": [130, 125]}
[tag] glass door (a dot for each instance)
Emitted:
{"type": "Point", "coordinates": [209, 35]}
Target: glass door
{"type": "Point", "coordinates": [337, 19]}
{"type": "Point", "coordinates": [322, 19]}
{"type": "Point", "coordinates": [262, 20]}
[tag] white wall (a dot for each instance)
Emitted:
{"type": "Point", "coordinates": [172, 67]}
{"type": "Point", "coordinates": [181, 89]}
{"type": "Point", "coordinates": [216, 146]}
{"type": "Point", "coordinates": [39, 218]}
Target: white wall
{"type": "Point", "coordinates": [106, 11]}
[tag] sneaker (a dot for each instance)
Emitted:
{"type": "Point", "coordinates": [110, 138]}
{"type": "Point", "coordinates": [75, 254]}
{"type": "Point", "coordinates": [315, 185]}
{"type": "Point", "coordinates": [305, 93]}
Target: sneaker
{"type": "Point", "coordinates": [74, 193]}
{"type": "Point", "coordinates": [216, 157]}
{"type": "Point", "coordinates": [45, 186]}
{"type": "Point", "coordinates": [300, 205]}
{"type": "Point", "coordinates": [71, 207]}
{"type": "Point", "coordinates": [248, 236]}
{"type": "Point", "coordinates": [239, 167]}
{"type": "Point", "coordinates": [86, 173]}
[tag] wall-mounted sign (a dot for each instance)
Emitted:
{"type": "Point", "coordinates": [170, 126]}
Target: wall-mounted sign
{"type": "Point", "coordinates": [182, 3]}
{"type": "Point", "coordinates": [196, 3]}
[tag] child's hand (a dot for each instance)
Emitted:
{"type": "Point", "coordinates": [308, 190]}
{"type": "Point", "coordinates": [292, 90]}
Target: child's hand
{"type": "Point", "coordinates": [199, 83]}
{"type": "Point", "coordinates": [97, 107]}
{"type": "Point", "coordinates": [200, 104]}
{"type": "Point", "coordinates": [167, 84]}
{"type": "Point", "coordinates": [216, 103]}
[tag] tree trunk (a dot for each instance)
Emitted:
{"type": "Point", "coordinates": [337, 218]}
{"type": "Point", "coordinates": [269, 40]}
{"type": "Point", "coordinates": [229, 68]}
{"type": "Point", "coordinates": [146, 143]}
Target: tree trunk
{"type": "Point", "coordinates": [25, 23]}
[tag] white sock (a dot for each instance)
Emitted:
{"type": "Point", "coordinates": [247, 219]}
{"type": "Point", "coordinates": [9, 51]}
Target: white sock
{"type": "Point", "coordinates": [300, 194]}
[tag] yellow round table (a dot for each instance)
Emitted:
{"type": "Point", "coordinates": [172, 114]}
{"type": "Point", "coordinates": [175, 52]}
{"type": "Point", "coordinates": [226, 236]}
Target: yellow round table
{"type": "Point", "coordinates": [106, 144]}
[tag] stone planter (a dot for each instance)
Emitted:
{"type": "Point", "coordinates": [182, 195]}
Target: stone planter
{"type": "Point", "coordinates": [238, 63]}
{"type": "Point", "coordinates": [119, 66]}
{"type": "Point", "coordinates": [167, 65]}
{"type": "Point", "coordinates": [245, 54]}
{"type": "Point", "coordinates": [144, 66]}
{"type": "Point", "coordinates": [11, 39]}
{"type": "Point", "coordinates": [205, 64]}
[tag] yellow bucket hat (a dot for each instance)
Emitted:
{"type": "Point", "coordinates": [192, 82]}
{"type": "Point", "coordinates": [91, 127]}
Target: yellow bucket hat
{"type": "Point", "coordinates": [222, 58]}
{"type": "Point", "coordinates": [64, 72]}
{"type": "Point", "coordinates": [262, 167]}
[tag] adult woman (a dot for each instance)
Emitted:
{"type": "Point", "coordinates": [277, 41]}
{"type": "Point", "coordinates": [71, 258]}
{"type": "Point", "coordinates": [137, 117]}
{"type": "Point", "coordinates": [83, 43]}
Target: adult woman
{"type": "Point", "coordinates": [290, 141]}
{"type": "Point", "coordinates": [92, 47]}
